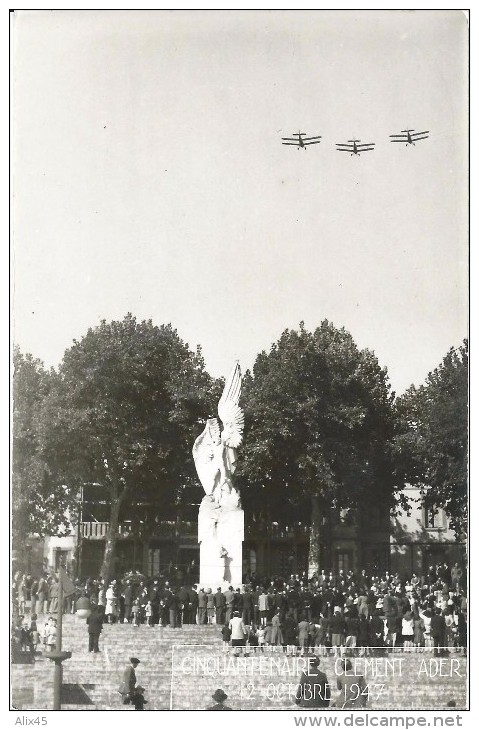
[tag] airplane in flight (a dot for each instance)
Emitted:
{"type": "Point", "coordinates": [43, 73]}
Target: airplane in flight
{"type": "Point", "coordinates": [301, 141]}
{"type": "Point", "coordinates": [354, 146]}
{"type": "Point", "coordinates": [409, 136]}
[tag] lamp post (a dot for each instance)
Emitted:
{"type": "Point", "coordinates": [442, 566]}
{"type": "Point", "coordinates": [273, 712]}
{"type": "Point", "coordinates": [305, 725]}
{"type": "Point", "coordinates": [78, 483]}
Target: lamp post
{"type": "Point", "coordinates": [58, 656]}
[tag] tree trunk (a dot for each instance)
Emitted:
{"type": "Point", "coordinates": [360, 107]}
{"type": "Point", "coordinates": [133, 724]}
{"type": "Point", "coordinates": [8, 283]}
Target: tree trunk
{"type": "Point", "coordinates": [109, 555]}
{"type": "Point", "coordinates": [315, 536]}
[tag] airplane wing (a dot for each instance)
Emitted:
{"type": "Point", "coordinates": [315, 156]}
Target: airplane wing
{"type": "Point", "coordinates": [289, 139]}
{"type": "Point", "coordinates": [318, 136]}
{"type": "Point", "coordinates": [416, 139]}
{"type": "Point", "coordinates": [401, 136]}
{"type": "Point", "coordinates": [306, 142]}
{"type": "Point", "coordinates": [296, 144]}
{"type": "Point", "coordinates": [416, 133]}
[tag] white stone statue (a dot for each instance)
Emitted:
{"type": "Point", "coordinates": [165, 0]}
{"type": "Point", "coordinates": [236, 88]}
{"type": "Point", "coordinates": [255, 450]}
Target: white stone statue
{"type": "Point", "coordinates": [220, 518]}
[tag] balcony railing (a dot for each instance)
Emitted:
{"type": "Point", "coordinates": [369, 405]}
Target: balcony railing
{"type": "Point", "coordinates": [258, 530]}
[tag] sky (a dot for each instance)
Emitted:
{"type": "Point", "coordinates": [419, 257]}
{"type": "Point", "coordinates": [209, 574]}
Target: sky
{"type": "Point", "coordinates": [149, 177]}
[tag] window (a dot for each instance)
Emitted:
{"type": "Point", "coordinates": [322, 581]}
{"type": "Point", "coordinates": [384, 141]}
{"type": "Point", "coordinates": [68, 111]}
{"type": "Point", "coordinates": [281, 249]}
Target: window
{"type": "Point", "coordinates": [343, 560]}
{"type": "Point", "coordinates": [153, 561]}
{"type": "Point", "coordinates": [432, 518]}
{"type": "Point", "coordinates": [60, 558]}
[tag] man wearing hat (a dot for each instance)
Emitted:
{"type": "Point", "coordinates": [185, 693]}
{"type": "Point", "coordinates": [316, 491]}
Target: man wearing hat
{"type": "Point", "coordinates": [219, 697]}
{"type": "Point", "coordinates": [314, 690]}
{"type": "Point", "coordinates": [128, 682]}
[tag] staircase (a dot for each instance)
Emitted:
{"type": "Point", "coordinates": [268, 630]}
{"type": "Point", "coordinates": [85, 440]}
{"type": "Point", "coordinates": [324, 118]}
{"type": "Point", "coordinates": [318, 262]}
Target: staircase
{"type": "Point", "coordinates": [180, 669]}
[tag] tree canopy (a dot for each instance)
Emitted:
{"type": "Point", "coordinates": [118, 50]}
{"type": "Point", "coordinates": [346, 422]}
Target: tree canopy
{"type": "Point", "coordinates": [37, 505]}
{"type": "Point", "coordinates": [319, 423]}
{"type": "Point", "coordinates": [123, 413]}
{"type": "Point", "coordinates": [434, 448]}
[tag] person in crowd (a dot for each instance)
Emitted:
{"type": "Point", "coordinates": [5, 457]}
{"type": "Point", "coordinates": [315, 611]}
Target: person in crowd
{"type": "Point", "coordinates": [407, 631]}
{"type": "Point", "coordinates": [51, 635]}
{"type": "Point", "coordinates": [128, 682]}
{"type": "Point", "coordinates": [419, 630]}
{"type": "Point", "coordinates": [138, 698]}
{"type": "Point", "coordinates": [226, 636]}
{"type": "Point", "coordinates": [313, 691]}
{"type": "Point", "coordinates": [276, 630]}
{"type": "Point", "coordinates": [111, 608]}
{"type": "Point", "coordinates": [261, 634]}
{"type": "Point", "coordinates": [353, 690]}
{"type": "Point", "coordinates": [210, 606]}
{"type": "Point", "coordinates": [263, 607]}
{"type": "Point", "coordinates": [202, 603]}
{"type": "Point", "coordinates": [438, 631]}
{"type": "Point", "coordinates": [193, 605]}
{"type": "Point", "coordinates": [219, 697]}
{"type": "Point", "coordinates": [337, 629]}
{"type": "Point", "coordinates": [364, 635]}
{"type": "Point", "coordinates": [456, 577]}
{"type": "Point", "coordinates": [149, 614]}
{"type": "Point", "coordinates": [220, 606]}
{"type": "Point", "coordinates": [136, 612]}
{"type": "Point", "coordinates": [247, 607]}
{"type": "Point", "coordinates": [128, 599]}
{"type": "Point", "coordinates": [42, 596]}
{"type": "Point", "coordinates": [238, 630]}
{"type": "Point", "coordinates": [95, 626]}
{"type": "Point", "coordinates": [303, 634]}
{"type": "Point", "coordinates": [352, 628]}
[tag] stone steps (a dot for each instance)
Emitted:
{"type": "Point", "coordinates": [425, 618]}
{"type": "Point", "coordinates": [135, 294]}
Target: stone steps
{"type": "Point", "coordinates": [90, 681]}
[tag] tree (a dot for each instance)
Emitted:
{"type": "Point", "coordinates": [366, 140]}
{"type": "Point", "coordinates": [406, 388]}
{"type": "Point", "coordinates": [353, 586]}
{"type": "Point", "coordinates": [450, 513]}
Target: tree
{"type": "Point", "coordinates": [123, 414]}
{"type": "Point", "coordinates": [319, 424]}
{"type": "Point", "coordinates": [36, 508]}
{"type": "Point", "coordinates": [435, 442]}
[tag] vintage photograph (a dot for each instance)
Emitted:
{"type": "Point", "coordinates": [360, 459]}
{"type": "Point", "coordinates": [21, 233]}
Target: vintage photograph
{"type": "Point", "coordinates": [240, 379]}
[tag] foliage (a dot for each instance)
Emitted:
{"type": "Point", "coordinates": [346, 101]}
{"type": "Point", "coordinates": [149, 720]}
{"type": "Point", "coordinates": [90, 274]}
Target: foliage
{"type": "Point", "coordinates": [319, 421]}
{"type": "Point", "coordinates": [37, 507]}
{"type": "Point", "coordinates": [434, 446]}
{"type": "Point", "coordinates": [128, 402]}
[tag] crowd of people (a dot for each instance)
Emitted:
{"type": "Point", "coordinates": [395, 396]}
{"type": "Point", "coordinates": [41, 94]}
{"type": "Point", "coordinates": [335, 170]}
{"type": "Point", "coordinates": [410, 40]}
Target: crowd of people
{"type": "Point", "coordinates": [300, 614]}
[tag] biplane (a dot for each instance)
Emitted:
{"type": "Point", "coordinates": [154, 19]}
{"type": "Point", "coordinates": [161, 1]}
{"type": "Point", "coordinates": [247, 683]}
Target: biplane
{"type": "Point", "coordinates": [354, 146]}
{"type": "Point", "coordinates": [301, 141]}
{"type": "Point", "coordinates": [408, 136]}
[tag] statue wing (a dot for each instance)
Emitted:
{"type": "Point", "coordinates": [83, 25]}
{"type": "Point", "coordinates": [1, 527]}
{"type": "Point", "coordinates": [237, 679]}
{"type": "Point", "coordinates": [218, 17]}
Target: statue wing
{"type": "Point", "coordinates": [203, 454]}
{"type": "Point", "coordinates": [229, 410]}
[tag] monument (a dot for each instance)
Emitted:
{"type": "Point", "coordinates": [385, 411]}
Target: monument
{"type": "Point", "coordinates": [220, 517]}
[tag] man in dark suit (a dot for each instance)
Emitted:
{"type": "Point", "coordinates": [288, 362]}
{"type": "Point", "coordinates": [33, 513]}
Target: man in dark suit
{"type": "Point", "coordinates": [314, 690]}
{"type": "Point", "coordinates": [202, 601]}
{"type": "Point", "coordinates": [229, 597]}
{"type": "Point", "coordinates": [183, 604]}
{"type": "Point", "coordinates": [128, 681]}
{"type": "Point", "coordinates": [438, 631]}
{"type": "Point", "coordinates": [193, 605]}
{"type": "Point", "coordinates": [220, 605]}
{"type": "Point", "coordinates": [95, 626]}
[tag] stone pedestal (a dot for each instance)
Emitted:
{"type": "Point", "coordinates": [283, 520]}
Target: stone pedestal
{"type": "Point", "coordinates": [221, 535]}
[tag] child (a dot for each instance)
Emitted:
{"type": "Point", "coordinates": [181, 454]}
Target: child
{"type": "Point", "coordinates": [226, 634]}
{"type": "Point", "coordinates": [261, 638]}
{"type": "Point", "coordinates": [34, 631]}
{"type": "Point", "coordinates": [51, 634]}
{"type": "Point", "coordinates": [137, 698]}
{"type": "Point", "coordinates": [44, 636]}
{"type": "Point", "coordinates": [149, 615]}
{"type": "Point", "coordinates": [135, 610]}
{"type": "Point", "coordinates": [253, 637]}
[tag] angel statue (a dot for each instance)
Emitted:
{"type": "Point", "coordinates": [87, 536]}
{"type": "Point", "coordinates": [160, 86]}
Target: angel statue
{"type": "Point", "coordinates": [214, 452]}
{"type": "Point", "coordinates": [221, 519]}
